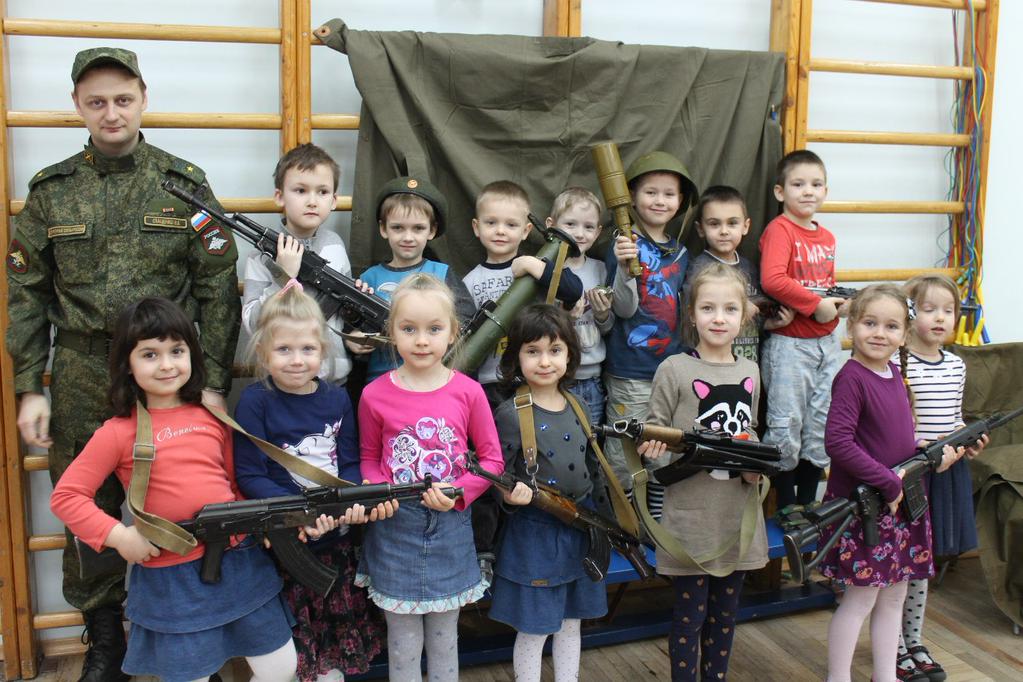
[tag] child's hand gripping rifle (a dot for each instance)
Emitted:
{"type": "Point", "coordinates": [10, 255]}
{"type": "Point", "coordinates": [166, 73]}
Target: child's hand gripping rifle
{"type": "Point", "coordinates": [336, 293]}
{"type": "Point", "coordinates": [490, 323]}
{"type": "Point", "coordinates": [603, 533]}
{"type": "Point", "coordinates": [768, 307]}
{"type": "Point", "coordinates": [275, 518]}
{"type": "Point", "coordinates": [700, 449]}
{"type": "Point", "coordinates": [867, 502]}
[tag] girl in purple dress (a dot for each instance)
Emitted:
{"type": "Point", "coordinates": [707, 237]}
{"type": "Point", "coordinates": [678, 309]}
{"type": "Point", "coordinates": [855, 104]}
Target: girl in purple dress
{"type": "Point", "coordinates": [870, 430]}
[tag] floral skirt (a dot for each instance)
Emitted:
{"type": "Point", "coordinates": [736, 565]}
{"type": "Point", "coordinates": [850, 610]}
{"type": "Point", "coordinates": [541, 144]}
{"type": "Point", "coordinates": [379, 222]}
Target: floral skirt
{"type": "Point", "coordinates": [903, 553]}
{"type": "Point", "coordinates": [343, 631]}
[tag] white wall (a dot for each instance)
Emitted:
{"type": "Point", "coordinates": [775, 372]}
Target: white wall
{"type": "Point", "coordinates": [245, 78]}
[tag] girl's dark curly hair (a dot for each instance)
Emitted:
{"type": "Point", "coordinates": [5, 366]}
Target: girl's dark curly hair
{"type": "Point", "coordinates": [151, 318]}
{"type": "Point", "coordinates": [539, 321]}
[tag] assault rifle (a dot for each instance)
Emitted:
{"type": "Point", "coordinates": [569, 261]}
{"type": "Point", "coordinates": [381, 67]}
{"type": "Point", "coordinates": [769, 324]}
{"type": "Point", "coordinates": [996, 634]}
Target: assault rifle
{"type": "Point", "coordinates": [336, 293]}
{"type": "Point", "coordinates": [867, 502]}
{"type": "Point", "coordinates": [277, 519]}
{"type": "Point", "coordinates": [701, 449]}
{"type": "Point", "coordinates": [769, 307]}
{"type": "Point", "coordinates": [603, 532]}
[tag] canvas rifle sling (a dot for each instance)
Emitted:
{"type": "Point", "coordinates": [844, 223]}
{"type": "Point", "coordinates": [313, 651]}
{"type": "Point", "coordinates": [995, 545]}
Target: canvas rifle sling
{"type": "Point", "coordinates": [169, 535]}
{"type": "Point", "coordinates": [295, 465]}
{"type": "Point", "coordinates": [527, 433]}
{"type": "Point", "coordinates": [619, 500]}
{"type": "Point", "coordinates": [669, 543]}
{"type": "Point", "coordinates": [156, 529]}
{"type": "Point", "coordinates": [559, 267]}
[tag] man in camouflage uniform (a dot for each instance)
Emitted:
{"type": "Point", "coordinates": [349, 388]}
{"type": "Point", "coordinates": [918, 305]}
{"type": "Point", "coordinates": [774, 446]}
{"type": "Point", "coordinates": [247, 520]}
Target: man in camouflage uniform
{"type": "Point", "coordinates": [97, 232]}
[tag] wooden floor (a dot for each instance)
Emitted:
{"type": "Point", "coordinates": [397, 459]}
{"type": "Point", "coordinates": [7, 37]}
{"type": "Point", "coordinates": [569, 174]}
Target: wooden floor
{"type": "Point", "coordinates": [964, 631]}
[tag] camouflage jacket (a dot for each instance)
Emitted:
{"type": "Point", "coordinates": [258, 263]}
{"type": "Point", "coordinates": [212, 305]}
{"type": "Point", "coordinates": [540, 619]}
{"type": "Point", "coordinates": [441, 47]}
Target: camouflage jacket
{"type": "Point", "coordinates": [97, 233]}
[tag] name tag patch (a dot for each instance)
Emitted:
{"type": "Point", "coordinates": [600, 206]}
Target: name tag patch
{"type": "Point", "coordinates": [169, 222]}
{"type": "Point", "coordinates": [65, 231]}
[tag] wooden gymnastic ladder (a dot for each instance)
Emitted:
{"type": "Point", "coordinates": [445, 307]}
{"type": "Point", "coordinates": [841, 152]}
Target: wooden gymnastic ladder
{"type": "Point", "coordinates": [19, 624]}
{"type": "Point", "coordinates": [791, 30]}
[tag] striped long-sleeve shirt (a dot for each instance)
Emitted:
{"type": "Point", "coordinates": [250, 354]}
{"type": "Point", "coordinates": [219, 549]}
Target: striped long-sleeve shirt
{"type": "Point", "coordinates": [938, 394]}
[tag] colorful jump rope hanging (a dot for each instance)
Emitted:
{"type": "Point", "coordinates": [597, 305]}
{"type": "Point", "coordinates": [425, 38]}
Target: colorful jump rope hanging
{"type": "Point", "coordinates": [966, 233]}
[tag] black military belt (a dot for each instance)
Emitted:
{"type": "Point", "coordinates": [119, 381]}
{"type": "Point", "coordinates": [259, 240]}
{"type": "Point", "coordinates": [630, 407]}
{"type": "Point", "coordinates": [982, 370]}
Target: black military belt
{"type": "Point", "coordinates": [90, 344]}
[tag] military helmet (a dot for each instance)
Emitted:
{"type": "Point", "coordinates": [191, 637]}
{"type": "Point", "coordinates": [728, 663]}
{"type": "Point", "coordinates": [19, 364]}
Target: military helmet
{"type": "Point", "coordinates": [421, 188]}
{"type": "Point", "coordinates": [663, 162]}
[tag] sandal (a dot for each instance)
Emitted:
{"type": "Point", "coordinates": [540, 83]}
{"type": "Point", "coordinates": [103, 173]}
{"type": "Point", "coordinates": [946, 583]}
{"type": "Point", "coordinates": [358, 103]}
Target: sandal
{"type": "Point", "coordinates": [910, 672]}
{"type": "Point", "coordinates": [930, 667]}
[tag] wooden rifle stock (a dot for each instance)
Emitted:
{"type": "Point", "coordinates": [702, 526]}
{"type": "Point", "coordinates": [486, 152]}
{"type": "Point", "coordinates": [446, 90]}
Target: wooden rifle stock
{"type": "Point", "coordinates": [550, 500]}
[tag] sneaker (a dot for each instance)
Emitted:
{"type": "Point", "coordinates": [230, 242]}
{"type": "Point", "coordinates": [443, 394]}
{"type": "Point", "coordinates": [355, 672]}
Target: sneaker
{"type": "Point", "coordinates": [906, 670]}
{"type": "Point", "coordinates": [922, 658]}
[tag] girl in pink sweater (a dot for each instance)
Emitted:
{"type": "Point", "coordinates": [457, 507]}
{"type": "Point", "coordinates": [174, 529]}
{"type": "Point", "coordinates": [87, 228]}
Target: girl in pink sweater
{"type": "Point", "coordinates": [181, 628]}
{"type": "Point", "coordinates": [421, 565]}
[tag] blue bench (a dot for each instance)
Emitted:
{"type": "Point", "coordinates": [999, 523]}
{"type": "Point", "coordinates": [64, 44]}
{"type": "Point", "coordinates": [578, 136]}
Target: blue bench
{"type": "Point", "coordinates": [614, 629]}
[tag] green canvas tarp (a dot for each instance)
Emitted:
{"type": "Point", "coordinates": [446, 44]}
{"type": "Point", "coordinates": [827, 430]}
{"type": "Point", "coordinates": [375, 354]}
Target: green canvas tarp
{"type": "Point", "coordinates": [994, 383]}
{"type": "Point", "coordinates": [465, 110]}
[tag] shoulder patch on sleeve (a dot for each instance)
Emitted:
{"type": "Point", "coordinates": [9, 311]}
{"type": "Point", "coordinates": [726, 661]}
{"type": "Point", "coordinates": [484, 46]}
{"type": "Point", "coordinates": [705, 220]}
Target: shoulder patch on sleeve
{"type": "Point", "coordinates": [65, 167]}
{"type": "Point", "coordinates": [17, 258]}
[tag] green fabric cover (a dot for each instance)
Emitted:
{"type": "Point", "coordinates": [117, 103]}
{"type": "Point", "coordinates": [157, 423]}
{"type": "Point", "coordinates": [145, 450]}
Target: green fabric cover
{"type": "Point", "coordinates": [994, 383]}
{"type": "Point", "coordinates": [465, 110]}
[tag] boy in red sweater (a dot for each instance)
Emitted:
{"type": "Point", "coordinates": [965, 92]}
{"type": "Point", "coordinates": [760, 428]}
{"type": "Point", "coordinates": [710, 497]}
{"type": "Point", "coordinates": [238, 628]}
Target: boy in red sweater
{"type": "Point", "coordinates": [799, 361]}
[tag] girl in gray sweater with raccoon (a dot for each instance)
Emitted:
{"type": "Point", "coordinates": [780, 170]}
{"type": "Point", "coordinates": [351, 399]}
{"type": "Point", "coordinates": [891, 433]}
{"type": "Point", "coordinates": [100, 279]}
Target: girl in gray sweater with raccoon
{"type": "Point", "coordinates": [709, 388]}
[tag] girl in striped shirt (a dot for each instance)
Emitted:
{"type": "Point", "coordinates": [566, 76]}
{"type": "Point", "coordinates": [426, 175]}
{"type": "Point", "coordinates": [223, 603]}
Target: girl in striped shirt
{"type": "Point", "coordinates": [937, 378]}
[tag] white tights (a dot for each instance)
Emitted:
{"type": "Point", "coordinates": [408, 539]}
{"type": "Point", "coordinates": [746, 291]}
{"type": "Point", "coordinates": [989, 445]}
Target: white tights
{"type": "Point", "coordinates": [276, 666]}
{"type": "Point", "coordinates": [406, 635]}
{"type": "Point", "coordinates": [529, 650]}
{"type": "Point", "coordinates": [884, 606]}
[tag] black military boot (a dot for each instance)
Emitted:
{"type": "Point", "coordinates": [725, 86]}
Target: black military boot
{"type": "Point", "coordinates": [104, 633]}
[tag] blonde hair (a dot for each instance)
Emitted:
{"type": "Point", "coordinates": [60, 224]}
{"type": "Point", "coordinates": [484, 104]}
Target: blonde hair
{"type": "Point", "coordinates": [572, 196]}
{"type": "Point", "coordinates": [502, 189]}
{"type": "Point", "coordinates": [422, 282]}
{"type": "Point", "coordinates": [858, 307]}
{"type": "Point", "coordinates": [289, 306]}
{"type": "Point", "coordinates": [716, 272]}
{"type": "Point", "coordinates": [918, 287]}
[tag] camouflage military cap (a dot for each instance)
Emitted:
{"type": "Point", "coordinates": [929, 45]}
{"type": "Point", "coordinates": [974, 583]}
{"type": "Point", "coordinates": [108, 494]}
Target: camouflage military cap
{"type": "Point", "coordinates": [95, 56]}
{"type": "Point", "coordinates": [421, 188]}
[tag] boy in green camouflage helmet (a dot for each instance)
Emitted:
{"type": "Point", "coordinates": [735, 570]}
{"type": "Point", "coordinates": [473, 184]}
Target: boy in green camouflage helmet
{"type": "Point", "coordinates": [97, 232]}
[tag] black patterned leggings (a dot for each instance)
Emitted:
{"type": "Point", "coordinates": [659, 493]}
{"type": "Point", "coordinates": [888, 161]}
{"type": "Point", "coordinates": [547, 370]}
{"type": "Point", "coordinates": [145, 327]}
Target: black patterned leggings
{"type": "Point", "coordinates": [703, 621]}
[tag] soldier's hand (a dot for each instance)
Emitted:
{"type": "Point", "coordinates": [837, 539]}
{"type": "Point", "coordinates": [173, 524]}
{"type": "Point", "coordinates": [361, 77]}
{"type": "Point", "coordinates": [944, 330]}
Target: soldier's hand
{"type": "Point", "coordinates": [289, 254]}
{"type": "Point", "coordinates": [34, 420]}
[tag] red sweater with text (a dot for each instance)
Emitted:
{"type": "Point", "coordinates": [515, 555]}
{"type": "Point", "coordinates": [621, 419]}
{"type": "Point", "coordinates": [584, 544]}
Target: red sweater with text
{"type": "Point", "coordinates": [791, 259]}
{"type": "Point", "coordinates": [194, 466]}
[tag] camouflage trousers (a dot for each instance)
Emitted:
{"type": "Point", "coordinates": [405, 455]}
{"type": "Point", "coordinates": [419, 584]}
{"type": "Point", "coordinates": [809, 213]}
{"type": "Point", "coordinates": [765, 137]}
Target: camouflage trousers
{"type": "Point", "coordinates": [78, 394]}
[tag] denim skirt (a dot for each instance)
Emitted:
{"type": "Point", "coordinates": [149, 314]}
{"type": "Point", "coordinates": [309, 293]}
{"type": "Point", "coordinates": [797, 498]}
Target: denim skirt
{"type": "Point", "coordinates": [421, 561]}
{"type": "Point", "coordinates": [539, 579]}
{"type": "Point", "coordinates": [184, 629]}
